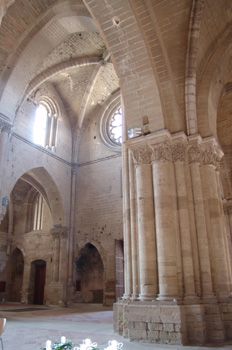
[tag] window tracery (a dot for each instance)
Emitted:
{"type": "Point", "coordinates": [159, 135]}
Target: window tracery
{"type": "Point", "coordinates": [110, 124]}
{"type": "Point", "coordinates": [115, 126]}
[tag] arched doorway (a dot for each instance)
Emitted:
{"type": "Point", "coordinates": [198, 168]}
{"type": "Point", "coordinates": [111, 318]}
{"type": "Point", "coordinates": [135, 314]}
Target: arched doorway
{"type": "Point", "coordinates": [15, 276]}
{"type": "Point", "coordinates": [37, 282]}
{"type": "Point", "coordinates": [89, 272]}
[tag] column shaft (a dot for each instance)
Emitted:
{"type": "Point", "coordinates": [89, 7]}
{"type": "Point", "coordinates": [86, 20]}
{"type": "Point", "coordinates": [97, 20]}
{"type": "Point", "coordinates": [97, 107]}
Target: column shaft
{"type": "Point", "coordinates": [72, 225]}
{"type": "Point", "coordinates": [203, 246]}
{"type": "Point", "coordinates": [218, 261]}
{"type": "Point", "coordinates": [127, 226]}
{"type": "Point", "coordinates": [193, 231]}
{"type": "Point", "coordinates": [146, 233]}
{"type": "Point", "coordinates": [164, 195]}
{"type": "Point", "coordinates": [133, 230]}
{"type": "Point", "coordinates": [56, 259]}
{"type": "Point", "coordinates": [4, 138]}
{"type": "Point", "coordinates": [186, 246]}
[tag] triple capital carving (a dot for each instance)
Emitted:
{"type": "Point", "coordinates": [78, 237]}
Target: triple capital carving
{"type": "Point", "coordinates": [204, 154]}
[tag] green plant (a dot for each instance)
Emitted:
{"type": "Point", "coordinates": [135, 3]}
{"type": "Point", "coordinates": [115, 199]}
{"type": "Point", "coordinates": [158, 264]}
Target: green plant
{"type": "Point", "coordinates": [60, 346]}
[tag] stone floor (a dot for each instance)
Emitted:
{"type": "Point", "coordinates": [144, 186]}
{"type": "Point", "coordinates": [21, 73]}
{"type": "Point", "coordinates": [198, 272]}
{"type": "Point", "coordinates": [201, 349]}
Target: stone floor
{"type": "Point", "coordinates": [29, 326]}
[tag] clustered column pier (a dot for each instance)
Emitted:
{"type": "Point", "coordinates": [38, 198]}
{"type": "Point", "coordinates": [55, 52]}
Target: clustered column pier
{"type": "Point", "coordinates": [176, 241]}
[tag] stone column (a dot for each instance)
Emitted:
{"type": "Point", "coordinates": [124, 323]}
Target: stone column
{"type": "Point", "coordinates": [133, 229]}
{"type": "Point", "coordinates": [146, 225]}
{"type": "Point", "coordinates": [56, 237]}
{"type": "Point", "coordinates": [178, 153]}
{"type": "Point", "coordinates": [5, 128]}
{"type": "Point", "coordinates": [63, 255]}
{"type": "Point", "coordinates": [127, 226]}
{"type": "Point", "coordinates": [219, 263]}
{"type": "Point", "coordinates": [72, 224]}
{"type": "Point", "coordinates": [194, 154]}
{"type": "Point", "coordinates": [227, 208]}
{"type": "Point", "coordinates": [165, 218]}
{"type": "Point", "coordinates": [60, 235]}
{"type": "Point", "coordinates": [193, 230]}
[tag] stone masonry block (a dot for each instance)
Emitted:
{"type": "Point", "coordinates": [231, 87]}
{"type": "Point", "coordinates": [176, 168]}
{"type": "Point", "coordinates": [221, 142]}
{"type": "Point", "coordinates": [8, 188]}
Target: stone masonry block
{"type": "Point", "coordinates": [168, 327]}
{"type": "Point", "coordinates": [229, 308]}
{"type": "Point", "coordinates": [216, 335]}
{"type": "Point", "coordinates": [179, 328]}
{"type": "Point", "coordinates": [227, 317]}
{"type": "Point", "coordinates": [137, 334]}
{"type": "Point", "coordinates": [176, 338]}
{"type": "Point", "coordinates": [164, 337]}
{"type": "Point", "coordinates": [153, 336]}
{"type": "Point", "coordinates": [194, 318]}
{"type": "Point", "coordinates": [170, 314]}
{"type": "Point", "coordinates": [224, 308]}
{"type": "Point", "coordinates": [142, 326]}
{"type": "Point", "coordinates": [155, 326]}
{"type": "Point", "coordinates": [228, 329]}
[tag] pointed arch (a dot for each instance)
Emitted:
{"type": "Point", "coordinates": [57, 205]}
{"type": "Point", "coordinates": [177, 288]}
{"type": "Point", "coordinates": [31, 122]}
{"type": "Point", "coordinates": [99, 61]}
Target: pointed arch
{"type": "Point", "coordinates": [43, 182]}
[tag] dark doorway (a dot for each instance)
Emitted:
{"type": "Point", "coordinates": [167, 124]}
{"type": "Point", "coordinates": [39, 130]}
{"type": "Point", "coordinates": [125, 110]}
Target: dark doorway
{"type": "Point", "coordinates": [89, 275]}
{"type": "Point", "coordinates": [37, 282]}
{"type": "Point", "coordinates": [15, 276]}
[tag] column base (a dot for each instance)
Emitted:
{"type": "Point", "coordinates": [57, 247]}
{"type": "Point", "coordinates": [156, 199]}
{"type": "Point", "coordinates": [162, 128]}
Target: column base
{"type": "Point", "coordinates": [126, 296]}
{"type": "Point", "coordinates": [173, 298]}
{"type": "Point", "coordinates": [191, 299]}
{"type": "Point", "coordinates": [146, 297]}
{"type": "Point", "coordinates": [209, 299]}
{"type": "Point", "coordinates": [224, 297]}
{"type": "Point", "coordinates": [134, 297]}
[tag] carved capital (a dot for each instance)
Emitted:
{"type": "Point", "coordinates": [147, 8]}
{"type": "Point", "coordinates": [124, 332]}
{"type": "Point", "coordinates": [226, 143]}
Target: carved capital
{"type": "Point", "coordinates": [5, 123]}
{"type": "Point", "coordinates": [161, 152]}
{"type": "Point", "coordinates": [194, 154]}
{"type": "Point", "coordinates": [5, 126]}
{"type": "Point", "coordinates": [141, 155]}
{"type": "Point", "coordinates": [59, 232]}
{"type": "Point", "coordinates": [211, 155]}
{"type": "Point", "coordinates": [178, 152]}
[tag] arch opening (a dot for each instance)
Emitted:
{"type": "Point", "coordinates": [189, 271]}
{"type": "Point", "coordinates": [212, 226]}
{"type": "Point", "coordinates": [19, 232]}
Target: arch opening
{"type": "Point", "coordinates": [15, 276]}
{"type": "Point", "coordinates": [37, 282]}
{"type": "Point", "coordinates": [89, 275]}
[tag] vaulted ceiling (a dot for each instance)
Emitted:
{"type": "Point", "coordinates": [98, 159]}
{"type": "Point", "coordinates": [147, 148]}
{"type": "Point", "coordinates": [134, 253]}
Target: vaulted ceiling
{"type": "Point", "coordinates": [54, 42]}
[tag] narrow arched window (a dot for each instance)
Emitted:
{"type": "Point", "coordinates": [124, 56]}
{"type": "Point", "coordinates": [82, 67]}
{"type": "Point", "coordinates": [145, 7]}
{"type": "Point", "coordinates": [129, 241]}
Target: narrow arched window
{"type": "Point", "coordinates": [38, 212]}
{"type": "Point", "coordinates": [40, 126]}
{"type": "Point", "coordinates": [45, 126]}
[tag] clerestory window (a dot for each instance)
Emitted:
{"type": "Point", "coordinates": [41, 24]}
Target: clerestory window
{"type": "Point", "coordinates": [45, 126]}
{"type": "Point", "coordinates": [38, 212]}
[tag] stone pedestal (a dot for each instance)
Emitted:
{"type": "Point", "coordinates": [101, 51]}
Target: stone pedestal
{"type": "Point", "coordinates": [150, 322]}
